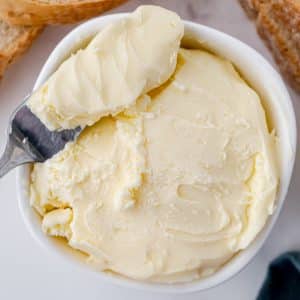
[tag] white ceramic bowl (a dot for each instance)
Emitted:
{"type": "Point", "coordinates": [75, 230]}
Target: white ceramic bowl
{"type": "Point", "coordinates": [261, 76]}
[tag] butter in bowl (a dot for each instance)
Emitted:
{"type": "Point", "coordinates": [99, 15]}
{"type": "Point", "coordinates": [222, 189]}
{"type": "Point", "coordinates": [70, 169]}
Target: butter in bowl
{"type": "Point", "coordinates": [178, 174]}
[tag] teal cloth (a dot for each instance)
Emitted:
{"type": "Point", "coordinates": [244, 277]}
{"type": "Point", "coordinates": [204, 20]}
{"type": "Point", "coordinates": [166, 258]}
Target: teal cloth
{"type": "Point", "coordinates": [283, 279]}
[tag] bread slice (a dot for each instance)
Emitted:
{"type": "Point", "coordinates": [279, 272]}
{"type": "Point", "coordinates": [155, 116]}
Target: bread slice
{"type": "Point", "coordinates": [278, 23]}
{"type": "Point", "coordinates": [14, 40]}
{"type": "Point", "coordinates": [37, 12]}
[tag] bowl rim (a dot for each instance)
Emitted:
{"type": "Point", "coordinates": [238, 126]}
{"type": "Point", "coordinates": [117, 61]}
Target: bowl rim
{"type": "Point", "coordinates": [240, 260]}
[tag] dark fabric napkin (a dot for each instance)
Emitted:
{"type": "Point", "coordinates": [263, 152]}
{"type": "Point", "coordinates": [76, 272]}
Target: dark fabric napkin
{"type": "Point", "coordinates": [283, 279]}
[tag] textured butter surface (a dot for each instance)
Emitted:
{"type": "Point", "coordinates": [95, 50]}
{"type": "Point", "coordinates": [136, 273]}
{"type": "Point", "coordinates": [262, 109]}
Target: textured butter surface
{"type": "Point", "coordinates": [171, 188]}
{"type": "Point", "coordinates": [125, 60]}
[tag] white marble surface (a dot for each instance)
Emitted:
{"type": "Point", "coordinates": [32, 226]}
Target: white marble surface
{"type": "Point", "coordinates": [28, 272]}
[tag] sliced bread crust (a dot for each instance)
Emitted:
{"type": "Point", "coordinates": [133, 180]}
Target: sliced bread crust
{"type": "Point", "coordinates": [249, 7]}
{"type": "Point", "coordinates": [37, 12]}
{"type": "Point", "coordinates": [14, 41]}
{"type": "Point", "coordinates": [278, 23]}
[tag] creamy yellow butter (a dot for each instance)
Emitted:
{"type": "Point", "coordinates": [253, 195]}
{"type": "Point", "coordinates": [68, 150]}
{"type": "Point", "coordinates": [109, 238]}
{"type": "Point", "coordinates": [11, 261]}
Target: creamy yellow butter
{"type": "Point", "coordinates": [172, 187]}
{"type": "Point", "coordinates": [125, 60]}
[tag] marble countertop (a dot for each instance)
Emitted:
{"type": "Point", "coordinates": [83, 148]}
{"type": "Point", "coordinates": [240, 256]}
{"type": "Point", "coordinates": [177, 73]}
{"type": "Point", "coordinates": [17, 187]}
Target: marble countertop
{"type": "Point", "coordinates": [28, 272]}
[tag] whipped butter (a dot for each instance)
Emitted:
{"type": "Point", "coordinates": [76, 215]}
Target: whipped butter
{"type": "Point", "coordinates": [175, 184]}
{"type": "Point", "coordinates": [123, 61]}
